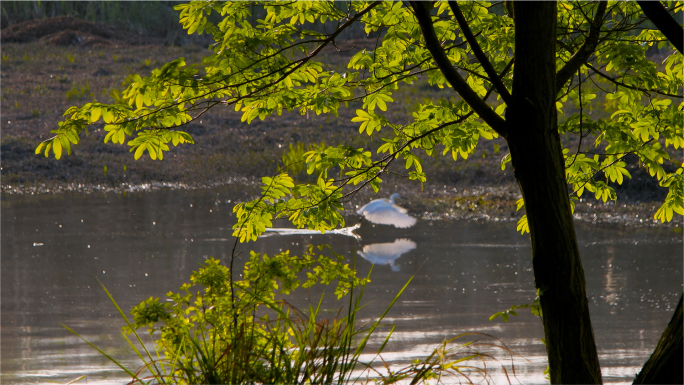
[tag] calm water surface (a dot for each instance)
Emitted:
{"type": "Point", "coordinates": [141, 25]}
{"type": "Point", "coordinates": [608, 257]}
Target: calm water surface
{"type": "Point", "coordinates": [54, 248]}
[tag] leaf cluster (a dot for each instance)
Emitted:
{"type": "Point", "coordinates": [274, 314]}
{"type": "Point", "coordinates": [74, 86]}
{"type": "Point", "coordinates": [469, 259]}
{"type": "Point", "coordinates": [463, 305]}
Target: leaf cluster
{"type": "Point", "coordinates": [535, 309]}
{"type": "Point", "coordinates": [273, 65]}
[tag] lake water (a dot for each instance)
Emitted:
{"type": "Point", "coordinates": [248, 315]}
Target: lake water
{"type": "Point", "coordinates": [55, 248]}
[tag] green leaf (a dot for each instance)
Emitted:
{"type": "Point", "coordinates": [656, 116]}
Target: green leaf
{"type": "Point", "coordinates": [57, 148]}
{"type": "Point", "coordinates": [139, 151]}
{"type": "Point", "coordinates": [139, 101]}
{"type": "Point", "coordinates": [520, 203]}
{"type": "Point", "coordinates": [523, 226]}
{"type": "Point", "coordinates": [40, 147]}
{"type": "Point", "coordinates": [504, 160]}
{"type": "Point", "coordinates": [95, 114]}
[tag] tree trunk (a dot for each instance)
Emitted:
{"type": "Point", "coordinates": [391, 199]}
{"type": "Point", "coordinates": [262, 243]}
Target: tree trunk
{"type": "Point", "coordinates": [665, 364]}
{"type": "Point", "coordinates": [537, 159]}
{"type": "Point", "coordinates": [655, 12]}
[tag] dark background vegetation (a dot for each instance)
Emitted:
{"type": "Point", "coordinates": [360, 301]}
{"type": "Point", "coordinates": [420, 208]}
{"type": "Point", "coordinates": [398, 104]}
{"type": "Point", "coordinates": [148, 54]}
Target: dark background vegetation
{"type": "Point", "coordinates": [62, 53]}
{"type": "Point", "coordinates": [149, 18]}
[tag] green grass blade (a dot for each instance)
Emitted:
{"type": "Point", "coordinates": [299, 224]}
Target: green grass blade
{"type": "Point", "coordinates": [382, 346]}
{"type": "Point", "coordinates": [129, 325]}
{"type": "Point", "coordinates": [137, 352]}
{"type": "Point", "coordinates": [103, 353]}
{"type": "Point", "coordinates": [369, 332]}
{"type": "Point", "coordinates": [75, 380]}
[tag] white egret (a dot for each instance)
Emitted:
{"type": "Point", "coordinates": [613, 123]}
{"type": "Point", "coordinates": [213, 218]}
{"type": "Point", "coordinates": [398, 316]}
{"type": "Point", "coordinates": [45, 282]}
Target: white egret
{"type": "Point", "coordinates": [387, 253]}
{"type": "Point", "coordinates": [385, 212]}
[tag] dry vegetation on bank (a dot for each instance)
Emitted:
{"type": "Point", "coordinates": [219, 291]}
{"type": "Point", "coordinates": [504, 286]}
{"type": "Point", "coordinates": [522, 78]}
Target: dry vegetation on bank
{"type": "Point", "coordinates": [70, 62]}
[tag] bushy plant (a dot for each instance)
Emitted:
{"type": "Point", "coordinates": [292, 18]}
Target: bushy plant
{"type": "Point", "coordinates": [218, 330]}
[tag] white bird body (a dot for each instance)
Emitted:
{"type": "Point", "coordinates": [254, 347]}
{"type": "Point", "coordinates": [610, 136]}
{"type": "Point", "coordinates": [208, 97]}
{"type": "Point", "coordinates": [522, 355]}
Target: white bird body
{"type": "Point", "coordinates": [385, 212]}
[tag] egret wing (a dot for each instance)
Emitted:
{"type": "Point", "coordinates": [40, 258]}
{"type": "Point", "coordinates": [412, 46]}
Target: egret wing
{"type": "Point", "coordinates": [400, 209]}
{"type": "Point", "coordinates": [374, 205]}
{"type": "Point", "coordinates": [389, 215]}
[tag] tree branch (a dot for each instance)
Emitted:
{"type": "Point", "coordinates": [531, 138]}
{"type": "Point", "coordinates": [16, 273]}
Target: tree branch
{"type": "Point", "coordinates": [297, 64]}
{"type": "Point", "coordinates": [385, 162]}
{"type": "Point", "coordinates": [481, 57]}
{"type": "Point", "coordinates": [621, 84]}
{"type": "Point", "coordinates": [608, 165]}
{"type": "Point", "coordinates": [580, 57]}
{"type": "Point", "coordinates": [483, 110]}
{"type": "Point", "coordinates": [655, 12]}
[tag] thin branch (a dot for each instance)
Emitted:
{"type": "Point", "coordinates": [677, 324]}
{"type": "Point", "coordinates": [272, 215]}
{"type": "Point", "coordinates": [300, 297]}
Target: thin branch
{"type": "Point", "coordinates": [580, 57]}
{"type": "Point", "coordinates": [599, 86]}
{"type": "Point", "coordinates": [477, 50]}
{"type": "Point", "coordinates": [385, 162]}
{"type": "Point", "coordinates": [581, 106]}
{"type": "Point", "coordinates": [621, 84]}
{"type": "Point", "coordinates": [397, 80]}
{"type": "Point", "coordinates": [299, 63]}
{"type": "Point", "coordinates": [485, 112]}
{"type": "Point", "coordinates": [608, 165]}
{"type": "Point", "coordinates": [232, 253]}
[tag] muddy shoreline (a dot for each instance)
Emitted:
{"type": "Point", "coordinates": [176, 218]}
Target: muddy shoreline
{"type": "Point", "coordinates": [496, 204]}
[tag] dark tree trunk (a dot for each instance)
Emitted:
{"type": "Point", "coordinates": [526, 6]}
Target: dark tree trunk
{"type": "Point", "coordinates": [655, 12]}
{"type": "Point", "coordinates": [540, 171]}
{"type": "Point", "coordinates": [665, 365]}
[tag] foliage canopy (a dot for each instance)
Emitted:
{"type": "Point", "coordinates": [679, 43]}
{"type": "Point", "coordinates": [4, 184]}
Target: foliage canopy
{"type": "Point", "coordinates": [270, 66]}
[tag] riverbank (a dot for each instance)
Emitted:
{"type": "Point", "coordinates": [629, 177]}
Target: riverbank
{"type": "Point", "coordinates": [480, 204]}
{"type": "Point", "coordinates": [43, 77]}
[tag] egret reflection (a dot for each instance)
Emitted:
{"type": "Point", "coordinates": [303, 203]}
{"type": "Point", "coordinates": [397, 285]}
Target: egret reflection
{"type": "Point", "coordinates": [385, 212]}
{"type": "Point", "coordinates": [387, 253]}
{"type": "Point", "coordinates": [348, 231]}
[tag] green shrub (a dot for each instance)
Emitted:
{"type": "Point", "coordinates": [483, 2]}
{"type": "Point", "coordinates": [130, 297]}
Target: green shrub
{"type": "Point", "coordinates": [232, 332]}
{"type": "Point", "coordinates": [218, 330]}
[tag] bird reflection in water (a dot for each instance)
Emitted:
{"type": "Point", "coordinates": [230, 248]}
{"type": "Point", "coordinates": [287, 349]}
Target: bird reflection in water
{"type": "Point", "coordinates": [387, 253]}
{"type": "Point", "coordinates": [385, 212]}
{"type": "Point", "coordinates": [379, 211]}
{"type": "Point", "coordinates": [348, 231]}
